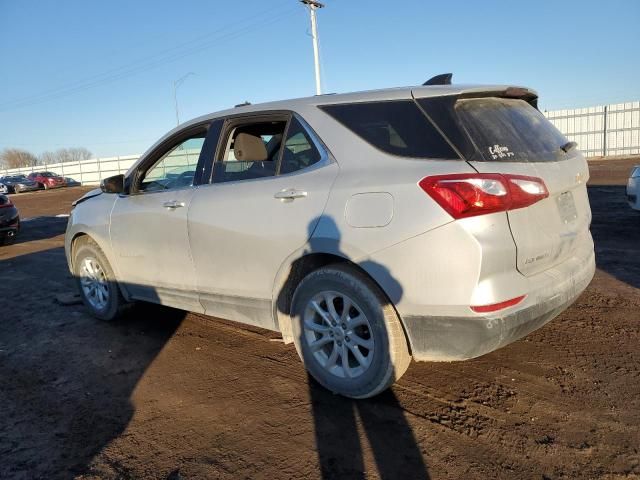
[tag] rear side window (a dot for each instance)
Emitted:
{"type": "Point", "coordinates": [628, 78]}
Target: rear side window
{"type": "Point", "coordinates": [396, 127]}
{"type": "Point", "coordinates": [299, 151]}
{"type": "Point", "coordinates": [509, 130]}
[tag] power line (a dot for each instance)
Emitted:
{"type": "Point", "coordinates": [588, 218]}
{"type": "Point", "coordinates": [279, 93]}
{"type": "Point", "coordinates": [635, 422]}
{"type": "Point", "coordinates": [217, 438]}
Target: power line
{"type": "Point", "coordinates": [151, 62]}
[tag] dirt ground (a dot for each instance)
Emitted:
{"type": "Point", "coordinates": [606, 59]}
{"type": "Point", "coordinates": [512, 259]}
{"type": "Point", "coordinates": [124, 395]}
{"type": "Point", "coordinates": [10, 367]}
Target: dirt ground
{"type": "Point", "coordinates": [168, 395]}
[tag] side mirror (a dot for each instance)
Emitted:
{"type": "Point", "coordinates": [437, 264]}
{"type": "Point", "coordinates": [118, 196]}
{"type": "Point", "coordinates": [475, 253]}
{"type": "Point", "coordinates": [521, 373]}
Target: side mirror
{"type": "Point", "coordinates": [113, 184]}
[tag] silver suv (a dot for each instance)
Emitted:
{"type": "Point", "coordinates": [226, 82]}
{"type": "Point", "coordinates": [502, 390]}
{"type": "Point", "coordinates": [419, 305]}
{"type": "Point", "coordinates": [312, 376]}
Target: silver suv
{"type": "Point", "coordinates": [436, 222]}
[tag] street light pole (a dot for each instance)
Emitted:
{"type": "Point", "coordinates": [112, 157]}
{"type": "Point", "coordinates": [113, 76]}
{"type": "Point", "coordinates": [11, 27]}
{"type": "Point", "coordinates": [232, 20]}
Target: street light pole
{"type": "Point", "coordinates": [176, 84]}
{"type": "Point", "coordinates": [313, 6]}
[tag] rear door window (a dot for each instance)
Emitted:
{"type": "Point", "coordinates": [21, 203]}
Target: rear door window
{"type": "Point", "coordinates": [252, 151]}
{"type": "Point", "coordinates": [509, 130]}
{"type": "Point", "coordinates": [397, 127]}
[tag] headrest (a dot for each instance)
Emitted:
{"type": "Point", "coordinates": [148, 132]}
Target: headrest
{"type": "Point", "coordinates": [249, 148]}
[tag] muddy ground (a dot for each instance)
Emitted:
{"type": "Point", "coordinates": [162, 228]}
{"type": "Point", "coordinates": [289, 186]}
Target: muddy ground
{"type": "Point", "coordinates": [169, 395]}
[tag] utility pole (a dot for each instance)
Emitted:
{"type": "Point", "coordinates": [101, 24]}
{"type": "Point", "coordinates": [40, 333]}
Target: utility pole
{"type": "Point", "coordinates": [313, 6]}
{"type": "Point", "coordinates": [176, 84]}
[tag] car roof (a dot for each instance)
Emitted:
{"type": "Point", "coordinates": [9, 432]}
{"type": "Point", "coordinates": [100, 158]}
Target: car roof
{"type": "Point", "coordinates": [363, 96]}
{"type": "Point", "coordinates": [300, 104]}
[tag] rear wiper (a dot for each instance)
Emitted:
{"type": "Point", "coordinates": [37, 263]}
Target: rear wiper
{"type": "Point", "coordinates": [567, 147]}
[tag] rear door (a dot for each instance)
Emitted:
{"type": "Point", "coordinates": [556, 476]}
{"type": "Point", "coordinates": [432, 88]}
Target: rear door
{"type": "Point", "coordinates": [509, 135]}
{"type": "Point", "coordinates": [270, 185]}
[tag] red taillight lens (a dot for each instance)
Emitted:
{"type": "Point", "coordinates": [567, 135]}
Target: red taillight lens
{"type": "Point", "coordinates": [497, 306]}
{"type": "Point", "coordinates": [467, 195]}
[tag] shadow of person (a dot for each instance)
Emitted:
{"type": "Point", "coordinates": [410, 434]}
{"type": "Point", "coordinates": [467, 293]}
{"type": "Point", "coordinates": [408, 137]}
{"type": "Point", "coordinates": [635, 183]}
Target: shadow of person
{"type": "Point", "coordinates": [344, 426]}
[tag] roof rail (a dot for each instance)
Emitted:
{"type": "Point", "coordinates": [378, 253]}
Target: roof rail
{"type": "Point", "coordinates": [243, 104]}
{"type": "Point", "coordinates": [442, 79]}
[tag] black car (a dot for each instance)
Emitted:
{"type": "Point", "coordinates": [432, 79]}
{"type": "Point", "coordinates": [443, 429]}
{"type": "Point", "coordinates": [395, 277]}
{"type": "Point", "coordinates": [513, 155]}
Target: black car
{"type": "Point", "coordinates": [71, 182]}
{"type": "Point", "coordinates": [19, 184]}
{"type": "Point", "coordinates": [9, 221]}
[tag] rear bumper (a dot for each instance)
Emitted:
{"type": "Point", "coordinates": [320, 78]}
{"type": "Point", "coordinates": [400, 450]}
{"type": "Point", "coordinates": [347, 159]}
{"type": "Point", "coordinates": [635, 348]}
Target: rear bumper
{"type": "Point", "coordinates": [439, 338]}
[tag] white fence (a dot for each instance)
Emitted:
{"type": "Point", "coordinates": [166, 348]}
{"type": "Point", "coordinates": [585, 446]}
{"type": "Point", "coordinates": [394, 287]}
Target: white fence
{"type": "Point", "coordinates": [87, 172]}
{"type": "Point", "coordinates": [600, 131]}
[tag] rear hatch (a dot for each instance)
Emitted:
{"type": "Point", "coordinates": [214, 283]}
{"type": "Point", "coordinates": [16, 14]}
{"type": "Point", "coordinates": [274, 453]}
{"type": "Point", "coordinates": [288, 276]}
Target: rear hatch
{"type": "Point", "coordinates": [509, 136]}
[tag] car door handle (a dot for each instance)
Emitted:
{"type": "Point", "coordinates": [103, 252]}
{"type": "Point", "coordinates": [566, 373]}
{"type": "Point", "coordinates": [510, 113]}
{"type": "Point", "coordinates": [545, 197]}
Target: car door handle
{"type": "Point", "coordinates": [173, 204]}
{"type": "Point", "coordinates": [290, 194]}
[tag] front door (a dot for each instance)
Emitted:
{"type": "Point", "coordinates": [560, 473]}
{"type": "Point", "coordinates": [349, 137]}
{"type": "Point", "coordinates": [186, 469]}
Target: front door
{"type": "Point", "coordinates": [149, 226]}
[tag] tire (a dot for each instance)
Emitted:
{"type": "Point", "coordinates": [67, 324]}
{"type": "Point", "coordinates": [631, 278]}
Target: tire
{"type": "Point", "coordinates": [382, 345]}
{"type": "Point", "coordinates": [86, 250]}
{"type": "Point", "coordinates": [6, 240]}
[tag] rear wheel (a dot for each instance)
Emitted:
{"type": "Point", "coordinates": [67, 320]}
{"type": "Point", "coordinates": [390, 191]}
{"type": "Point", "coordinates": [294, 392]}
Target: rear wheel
{"type": "Point", "coordinates": [347, 333]}
{"type": "Point", "coordinates": [96, 281]}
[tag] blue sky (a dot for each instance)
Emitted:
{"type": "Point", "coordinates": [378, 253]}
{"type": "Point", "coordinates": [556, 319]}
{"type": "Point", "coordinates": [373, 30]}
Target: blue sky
{"type": "Point", "coordinates": [100, 74]}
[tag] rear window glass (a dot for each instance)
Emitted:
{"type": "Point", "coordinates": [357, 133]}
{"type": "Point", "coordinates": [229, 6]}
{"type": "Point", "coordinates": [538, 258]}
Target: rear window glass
{"type": "Point", "coordinates": [509, 130]}
{"type": "Point", "coordinates": [396, 127]}
{"type": "Point", "coordinates": [4, 200]}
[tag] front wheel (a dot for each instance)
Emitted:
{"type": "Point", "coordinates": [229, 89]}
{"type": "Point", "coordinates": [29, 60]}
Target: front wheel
{"type": "Point", "coordinates": [96, 281]}
{"type": "Point", "coordinates": [346, 332]}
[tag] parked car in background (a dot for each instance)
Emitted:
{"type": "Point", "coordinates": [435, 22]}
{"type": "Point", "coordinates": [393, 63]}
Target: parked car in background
{"type": "Point", "coordinates": [9, 221]}
{"type": "Point", "coordinates": [435, 222]}
{"type": "Point", "coordinates": [3, 188]}
{"type": "Point", "coordinates": [47, 180]}
{"type": "Point", "coordinates": [72, 182]}
{"type": "Point", "coordinates": [633, 188]}
{"type": "Point", "coordinates": [19, 184]}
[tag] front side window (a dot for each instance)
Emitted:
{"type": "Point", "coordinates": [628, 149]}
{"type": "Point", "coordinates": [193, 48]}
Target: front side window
{"type": "Point", "coordinates": [299, 151]}
{"type": "Point", "coordinates": [252, 151]}
{"type": "Point", "coordinates": [176, 168]}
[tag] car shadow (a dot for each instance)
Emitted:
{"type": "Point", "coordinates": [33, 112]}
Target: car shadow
{"type": "Point", "coordinates": [615, 229]}
{"type": "Point", "coordinates": [40, 228]}
{"type": "Point", "coordinates": [345, 428]}
{"type": "Point", "coordinates": [67, 379]}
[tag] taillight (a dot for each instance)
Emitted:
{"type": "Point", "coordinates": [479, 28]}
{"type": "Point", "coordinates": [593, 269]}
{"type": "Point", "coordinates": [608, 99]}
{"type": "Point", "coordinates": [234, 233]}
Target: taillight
{"type": "Point", "coordinates": [466, 195]}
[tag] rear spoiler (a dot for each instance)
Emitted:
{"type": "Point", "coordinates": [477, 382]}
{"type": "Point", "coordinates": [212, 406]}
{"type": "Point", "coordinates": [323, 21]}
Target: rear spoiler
{"type": "Point", "coordinates": [523, 93]}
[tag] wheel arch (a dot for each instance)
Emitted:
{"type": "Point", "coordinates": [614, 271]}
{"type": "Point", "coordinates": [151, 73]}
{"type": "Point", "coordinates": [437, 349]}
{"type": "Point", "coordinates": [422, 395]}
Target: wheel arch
{"type": "Point", "coordinates": [289, 278]}
{"type": "Point", "coordinates": [73, 244]}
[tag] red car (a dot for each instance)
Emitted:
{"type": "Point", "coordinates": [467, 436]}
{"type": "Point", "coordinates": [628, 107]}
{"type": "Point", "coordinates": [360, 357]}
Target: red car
{"type": "Point", "coordinates": [47, 179]}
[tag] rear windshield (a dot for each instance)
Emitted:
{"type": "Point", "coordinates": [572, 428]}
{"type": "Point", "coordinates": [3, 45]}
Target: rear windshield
{"type": "Point", "coordinates": [509, 130]}
{"type": "Point", "coordinates": [397, 127]}
{"type": "Point", "coordinates": [4, 200]}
